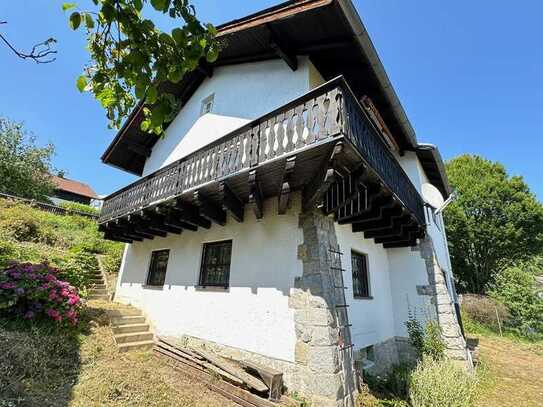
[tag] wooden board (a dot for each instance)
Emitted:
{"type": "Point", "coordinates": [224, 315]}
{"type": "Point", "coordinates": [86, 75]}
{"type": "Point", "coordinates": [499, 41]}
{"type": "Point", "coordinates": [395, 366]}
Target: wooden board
{"type": "Point", "coordinates": [234, 369]}
{"type": "Point", "coordinates": [236, 394]}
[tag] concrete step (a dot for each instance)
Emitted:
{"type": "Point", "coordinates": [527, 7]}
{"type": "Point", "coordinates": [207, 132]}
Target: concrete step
{"type": "Point", "coordinates": [97, 291]}
{"type": "Point", "coordinates": [127, 320]}
{"type": "Point", "coordinates": [98, 297]}
{"type": "Point", "coordinates": [128, 312]}
{"type": "Point", "coordinates": [99, 286]}
{"type": "Point", "coordinates": [143, 345]}
{"type": "Point", "coordinates": [96, 281]}
{"type": "Point", "coordinates": [130, 328]}
{"type": "Point", "coordinates": [133, 337]}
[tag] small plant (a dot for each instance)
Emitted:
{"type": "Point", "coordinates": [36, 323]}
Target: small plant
{"type": "Point", "coordinates": [441, 383]}
{"type": "Point", "coordinates": [303, 402]}
{"type": "Point", "coordinates": [79, 207]}
{"type": "Point", "coordinates": [427, 341]}
{"type": "Point", "coordinates": [31, 290]}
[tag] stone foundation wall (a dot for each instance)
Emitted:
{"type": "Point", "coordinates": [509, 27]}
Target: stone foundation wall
{"type": "Point", "coordinates": [324, 369]}
{"type": "Point", "coordinates": [451, 333]}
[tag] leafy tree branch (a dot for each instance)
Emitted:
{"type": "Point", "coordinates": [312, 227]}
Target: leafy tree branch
{"type": "Point", "coordinates": [131, 58]}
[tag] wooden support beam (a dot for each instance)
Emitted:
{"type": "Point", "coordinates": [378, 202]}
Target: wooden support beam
{"type": "Point", "coordinates": [255, 195]}
{"type": "Point", "coordinates": [400, 243]}
{"type": "Point", "coordinates": [123, 232]}
{"type": "Point", "coordinates": [209, 210]}
{"type": "Point", "coordinates": [284, 193]}
{"type": "Point", "coordinates": [377, 211]}
{"type": "Point", "coordinates": [382, 224]}
{"type": "Point", "coordinates": [230, 202]}
{"type": "Point", "coordinates": [191, 214]}
{"type": "Point", "coordinates": [314, 191]}
{"type": "Point", "coordinates": [156, 222]}
{"type": "Point", "coordinates": [111, 236]}
{"type": "Point", "coordinates": [281, 48]}
{"type": "Point", "coordinates": [393, 231]}
{"type": "Point", "coordinates": [172, 218]}
{"type": "Point", "coordinates": [125, 224]}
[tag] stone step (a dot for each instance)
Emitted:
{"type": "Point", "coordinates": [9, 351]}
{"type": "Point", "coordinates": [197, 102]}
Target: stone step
{"type": "Point", "coordinates": [128, 312]}
{"type": "Point", "coordinates": [130, 328]}
{"type": "Point", "coordinates": [127, 320]}
{"type": "Point", "coordinates": [104, 297]}
{"type": "Point", "coordinates": [133, 337]}
{"type": "Point", "coordinates": [143, 345]}
{"type": "Point", "coordinates": [96, 281]}
{"type": "Point", "coordinates": [94, 291]}
{"type": "Point", "coordinates": [99, 286]}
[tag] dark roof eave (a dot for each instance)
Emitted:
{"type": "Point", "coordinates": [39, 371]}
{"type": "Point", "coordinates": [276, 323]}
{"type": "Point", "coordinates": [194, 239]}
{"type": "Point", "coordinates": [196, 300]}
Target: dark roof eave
{"type": "Point", "coordinates": [437, 163]}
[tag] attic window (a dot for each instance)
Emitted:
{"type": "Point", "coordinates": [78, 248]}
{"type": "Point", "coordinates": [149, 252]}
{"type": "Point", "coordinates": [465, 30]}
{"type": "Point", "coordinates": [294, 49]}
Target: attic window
{"type": "Point", "coordinates": [207, 104]}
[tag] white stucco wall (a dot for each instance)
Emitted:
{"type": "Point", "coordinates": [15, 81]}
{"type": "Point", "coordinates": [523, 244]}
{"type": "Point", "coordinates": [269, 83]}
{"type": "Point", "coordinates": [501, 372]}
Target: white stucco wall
{"type": "Point", "coordinates": [242, 93]}
{"type": "Point", "coordinates": [372, 319]}
{"type": "Point", "coordinates": [253, 314]}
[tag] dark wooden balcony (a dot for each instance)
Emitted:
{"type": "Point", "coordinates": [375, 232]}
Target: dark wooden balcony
{"type": "Point", "coordinates": [322, 143]}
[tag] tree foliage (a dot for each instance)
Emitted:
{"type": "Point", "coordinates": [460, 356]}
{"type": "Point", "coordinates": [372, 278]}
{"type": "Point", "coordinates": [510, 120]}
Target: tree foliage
{"type": "Point", "coordinates": [131, 58]}
{"type": "Point", "coordinates": [24, 167]}
{"type": "Point", "coordinates": [495, 221]}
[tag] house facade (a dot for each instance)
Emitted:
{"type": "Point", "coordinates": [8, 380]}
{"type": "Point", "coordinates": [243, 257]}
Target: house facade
{"type": "Point", "coordinates": [281, 218]}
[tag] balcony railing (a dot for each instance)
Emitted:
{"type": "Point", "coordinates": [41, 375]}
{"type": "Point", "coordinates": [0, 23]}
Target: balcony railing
{"type": "Point", "coordinates": [326, 112]}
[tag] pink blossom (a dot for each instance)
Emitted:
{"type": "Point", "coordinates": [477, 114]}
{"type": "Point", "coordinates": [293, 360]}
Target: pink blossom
{"type": "Point", "coordinates": [7, 285]}
{"type": "Point", "coordinates": [73, 299]}
{"type": "Point", "coordinates": [53, 313]}
{"type": "Point", "coordinates": [50, 277]}
{"type": "Point", "coordinates": [52, 295]}
{"type": "Point", "coordinates": [64, 292]}
{"type": "Point", "coordinates": [29, 315]}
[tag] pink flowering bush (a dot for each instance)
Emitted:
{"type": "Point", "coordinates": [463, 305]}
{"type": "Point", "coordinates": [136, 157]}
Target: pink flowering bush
{"type": "Point", "coordinates": [33, 290]}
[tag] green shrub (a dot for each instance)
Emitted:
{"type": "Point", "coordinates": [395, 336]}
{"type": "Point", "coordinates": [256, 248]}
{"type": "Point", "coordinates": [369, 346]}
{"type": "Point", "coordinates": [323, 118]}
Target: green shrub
{"type": "Point", "coordinates": [76, 267]}
{"type": "Point", "coordinates": [112, 259]}
{"type": "Point", "coordinates": [79, 207]}
{"type": "Point", "coordinates": [482, 309]}
{"type": "Point", "coordinates": [394, 384]}
{"type": "Point", "coordinates": [441, 383]}
{"type": "Point", "coordinates": [516, 288]}
{"type": "Point", "coordinates": [426, 341]}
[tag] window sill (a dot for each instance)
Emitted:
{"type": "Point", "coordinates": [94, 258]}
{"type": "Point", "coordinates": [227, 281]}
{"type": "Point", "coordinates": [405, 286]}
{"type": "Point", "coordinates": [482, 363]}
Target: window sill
{"type": "Point", "coordinates": [364, 298]}
{"type": "Point", "coordinates": [153, 287]}
{"type": "Point", "coordinates": [211, 288]}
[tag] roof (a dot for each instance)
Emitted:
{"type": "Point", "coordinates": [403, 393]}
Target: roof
{"type": "Point", "coordinates": [329, 32]}
{"type": "Point", "coordinates": [75, 187]}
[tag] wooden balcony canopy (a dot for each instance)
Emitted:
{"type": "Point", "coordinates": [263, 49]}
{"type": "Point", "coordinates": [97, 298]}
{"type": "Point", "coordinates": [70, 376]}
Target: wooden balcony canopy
{"type": "Point", "coordinates": [322, 143]}
{"type": "Point", "coordinates": [329, 32]}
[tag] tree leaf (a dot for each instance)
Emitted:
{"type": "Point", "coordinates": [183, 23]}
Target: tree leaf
{"type": "Point", "coordinates": [152, 94]}
{"type": "Point", "coordinates": [68, 6]}
{"type": "Point", "coordinates": [179, 36]}
{"type": "Point", "coordinates": [159, 5]}
{"type": "Point", "coordinates": [138, 5]}
{"type": "Point", "coordinates": [75, 20]}
{"type": "Point", "coordinates": [212, 54]}
{"type": "Point", "coordinates": [81, 83]}
{"type": "Point", "coordinates": [89, 22]}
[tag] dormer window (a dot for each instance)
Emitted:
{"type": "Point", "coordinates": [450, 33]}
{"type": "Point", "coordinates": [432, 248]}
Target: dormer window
{"type": "Point", "coordinates": [207, 104]}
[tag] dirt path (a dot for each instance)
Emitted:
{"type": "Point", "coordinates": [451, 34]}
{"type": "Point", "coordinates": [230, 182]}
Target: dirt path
{"type": "Point", "coordinates": [517, 373]}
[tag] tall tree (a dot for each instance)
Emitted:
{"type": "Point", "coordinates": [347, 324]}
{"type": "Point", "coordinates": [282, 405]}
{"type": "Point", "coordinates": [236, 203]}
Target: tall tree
{"type": "Point", "coordinates": [24, 167]}
{"type": "Point", "coordinates": [131, 58]}
{"type": "Point", "coordinates": [495, 221]}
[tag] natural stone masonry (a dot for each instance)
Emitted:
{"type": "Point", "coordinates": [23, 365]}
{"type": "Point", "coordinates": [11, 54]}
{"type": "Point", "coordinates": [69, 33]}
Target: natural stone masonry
{"type": "Point", "coordinates": [323, 370]}
{"type": "Point", "coordinates": [446, 314]}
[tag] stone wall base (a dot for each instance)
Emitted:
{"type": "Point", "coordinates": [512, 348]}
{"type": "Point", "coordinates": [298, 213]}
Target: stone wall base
{"type": "Point", "coordinates": [393, 351]}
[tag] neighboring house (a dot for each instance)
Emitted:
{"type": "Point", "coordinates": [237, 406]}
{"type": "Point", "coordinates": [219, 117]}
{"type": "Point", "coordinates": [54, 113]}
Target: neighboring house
{"type": "Point", "coordinates": [280, 218]}
{"type": "Point", "coordinates": [67, 190]}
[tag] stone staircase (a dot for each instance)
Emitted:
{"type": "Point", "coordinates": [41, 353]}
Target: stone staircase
{"type": "Point", "coordinates": [130, 329]}
{"type": "Point", "coordinates": [98, 290]}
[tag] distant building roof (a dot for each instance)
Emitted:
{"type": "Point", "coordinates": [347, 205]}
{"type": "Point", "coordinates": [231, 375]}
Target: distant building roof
{"type": "Point", "coordinates": [75, 187]}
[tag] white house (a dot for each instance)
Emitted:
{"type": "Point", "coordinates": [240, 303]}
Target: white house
{"type": "Point", "coordinates": [281, 218]}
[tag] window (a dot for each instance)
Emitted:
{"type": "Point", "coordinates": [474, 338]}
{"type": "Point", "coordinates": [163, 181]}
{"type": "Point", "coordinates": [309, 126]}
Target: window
{"type": "Point", "coordinates": [157, 267]}
{"type": "Point", "coordinates": [215, 271]}
{"type": "Point", "coordinates": [361, 284]}
{"type": "Point", "coordinates": [207, 104]}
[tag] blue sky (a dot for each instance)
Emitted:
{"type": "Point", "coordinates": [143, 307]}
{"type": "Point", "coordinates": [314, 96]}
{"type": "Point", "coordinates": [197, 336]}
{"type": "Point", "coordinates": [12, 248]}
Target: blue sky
{"type": "Point", "coordinates": [469, 75]}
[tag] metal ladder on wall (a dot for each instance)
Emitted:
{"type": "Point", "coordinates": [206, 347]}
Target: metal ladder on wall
{"type": "Point", "coordinates": [342, 316]}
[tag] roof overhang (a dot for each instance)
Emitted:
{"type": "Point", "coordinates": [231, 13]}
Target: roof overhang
{"type": "Point", "coordinates": [433, 166]}
{"type": "Point", "coordinates": [329, 32]}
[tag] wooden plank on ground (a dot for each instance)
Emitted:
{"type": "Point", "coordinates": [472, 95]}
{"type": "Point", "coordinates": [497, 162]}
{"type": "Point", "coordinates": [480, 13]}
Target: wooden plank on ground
{"type": "Point", "coordinates": [236, 394]}
{"type": "Point", "coordinates": [201, 366]}
{"type": "Point", "coordinates": [271, 377]}
{"type": "Point", "coordinates": [181, 349]}
{"type": "Point", "coordinates": [234, 369]}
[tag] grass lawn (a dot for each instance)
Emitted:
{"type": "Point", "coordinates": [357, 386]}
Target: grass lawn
{"type": "Point", "coordinates": [45, 366]}
{"type": "Point", "coordinates": [512, 370]}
